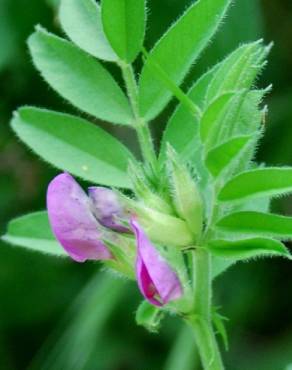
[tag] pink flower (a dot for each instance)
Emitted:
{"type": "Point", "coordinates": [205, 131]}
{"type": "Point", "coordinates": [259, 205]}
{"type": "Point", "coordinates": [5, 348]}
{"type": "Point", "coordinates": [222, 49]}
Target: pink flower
{"type": "Point", "coordinates": [72, 220]}
{"type": "Point", "coordinates": [79, 222]}
{"type": "Point", "coordinates": [157, 281]}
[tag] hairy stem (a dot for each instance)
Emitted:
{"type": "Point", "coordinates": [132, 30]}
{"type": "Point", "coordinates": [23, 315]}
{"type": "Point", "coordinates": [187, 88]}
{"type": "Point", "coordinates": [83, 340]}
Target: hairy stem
{"type": "Point", "coordinates": [141, 127]}
{"type": "Point", "coordinates": [201, 318]}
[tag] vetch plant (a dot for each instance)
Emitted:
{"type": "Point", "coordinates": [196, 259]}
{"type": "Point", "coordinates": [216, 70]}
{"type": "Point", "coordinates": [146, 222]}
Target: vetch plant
{"type": "Point", "coordinates": [176, 218]}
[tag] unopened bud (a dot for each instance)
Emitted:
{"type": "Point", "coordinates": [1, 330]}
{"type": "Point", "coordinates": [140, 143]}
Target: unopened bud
{"type": "Point", "coordinates": [161, 228]}
{"type": "Point", "coordinates": [144, 192]}
{"type": "Point", "coordinates": [186, 197]}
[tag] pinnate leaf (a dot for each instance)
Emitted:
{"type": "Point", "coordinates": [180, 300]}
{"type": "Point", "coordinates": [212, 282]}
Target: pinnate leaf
{"type": "Point", "coordinates": [247, 248]}
{"type": "Point", "coordinates": [79, 78]}
{"type": "Point", "coordinates": [182, 130]}
{"type": "Point", "coordinates": [74, 145]}
{"type": "Point", "coordinates": [257, 223]}
{"type": "Point", "coordinates": [226, 127]}
{"type": "Point", "coordinates": [176, 51]}
{"type": "Point", "coordinates": [212, 118]}
{"type": "Point", "coordinates": [81, 20]}
{"type": "Point", "coordinates": [220, 265]}
{"type": "Point", "coordinates": [33, 232]}
{"type": "Point", "coordinates": [259, 182]}
{"type": "Point", "coordinates": [238, 70]}
{"type": "Point", "coordinates": [124, 25]}
{"type": "Point", "coordinates": [223, 155]}
{"type": "Point", "coordinates": [250, 115]}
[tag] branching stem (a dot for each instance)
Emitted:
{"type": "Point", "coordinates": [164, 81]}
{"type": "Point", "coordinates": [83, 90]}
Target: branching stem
{"type": "Point", "coordinates": [200, 319]}
{"type": "Point", "coordinates": [141, 127]}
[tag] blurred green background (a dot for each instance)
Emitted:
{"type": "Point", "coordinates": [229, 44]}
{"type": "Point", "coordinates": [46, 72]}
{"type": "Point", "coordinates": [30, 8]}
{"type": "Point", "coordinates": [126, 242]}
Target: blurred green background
{"type": "Point", "coordinates": [59, 315]}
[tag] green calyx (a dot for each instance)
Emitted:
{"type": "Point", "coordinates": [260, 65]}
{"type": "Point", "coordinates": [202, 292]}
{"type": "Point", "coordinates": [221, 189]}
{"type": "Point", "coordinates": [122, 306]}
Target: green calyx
{"type": "Point", "coordinates": [185, 194]}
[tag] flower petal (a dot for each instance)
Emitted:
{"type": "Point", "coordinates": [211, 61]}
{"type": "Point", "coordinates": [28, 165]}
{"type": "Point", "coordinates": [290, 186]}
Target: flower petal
{"type": "Point", "coordinates": [107, 208]}
{"type": "Point", "coordinates": [157, 281]}
{"type": "Point", "coordinates": [72, 222]}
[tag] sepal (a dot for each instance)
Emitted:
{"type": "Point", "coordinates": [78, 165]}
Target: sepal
{"type": "Point", "coordinates": [186, 197]}
{"type": "Point", "coordinates": [144, 191]}
{"type": "Point", "coordinates": [149, 316]}
{"type": "Point", "coordinates": [122, 247]}
{"type": "Point", "coordinates": [161, 228]}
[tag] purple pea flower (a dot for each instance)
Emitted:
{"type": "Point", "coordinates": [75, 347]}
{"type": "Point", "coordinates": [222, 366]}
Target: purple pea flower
{"type": "Point", "coordinates": [157, 281]}
{"type": "Point", "coordinates": [77, 221]}
{"type": "Point", "coordinates": [73, 221]}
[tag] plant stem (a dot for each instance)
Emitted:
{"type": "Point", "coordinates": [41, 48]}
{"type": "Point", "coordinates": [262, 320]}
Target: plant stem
{"type": "Point", "coordinates": [201, 318]}
{"type": "Point", "coordinates": [142, 129]}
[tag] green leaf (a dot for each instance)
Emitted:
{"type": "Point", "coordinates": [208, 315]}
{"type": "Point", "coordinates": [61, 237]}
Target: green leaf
{"type": "Point", "coordinates": [260, 182]}
{"type": "Point", "coordinates": [226, 127]}
{"type": "Point", "coordinates": [223, 155]}
{"type": "Point", "coordinates": [220, 265]}
{"type": "Point", "coordinates": [239, 69]}
{"type": "Point", "coordinates": [176, 51]}
{"type": "Point", "coordinates": [250, 115]}
{"type": "Point", "coordinates": [212, 118]}
{"type": "Point", "coordinates": [149, 316]}
{"type": "Point", "coordinates": [74, 145]}
{"type": "Point", "coordinates": [79, 78]}
{"type": "Point", "coordinates": [247, 248]}
{"type": "Point", "coordinates": [249, 121]}
{"type": "Point", "coordinates": [33, 231]}
{"type": "Point", "coordinates": [258, 223]}
{"type": "Point", "coordinates": [183, 137]}
{"type": "Point", "coordinates": [255, 205]}
{"type": "Point", "coordinates": [182, 129]}
{"type": "Point", "coordinates": [124, 25]}
{"type": "Point", "coordinates": [175, 90]}
{"type": "Point", "coordinates": [81, 20]}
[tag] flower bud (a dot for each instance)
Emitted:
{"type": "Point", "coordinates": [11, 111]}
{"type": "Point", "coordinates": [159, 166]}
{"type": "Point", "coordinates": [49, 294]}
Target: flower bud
{"type": "Point", "coordinates": [185, 194]}
{"type": "Point", "coordinates": [144, 192]}
{"type": "Point", "coordinates": [161, 228]}
{"type": "Point", "coordinates": [157, 281]}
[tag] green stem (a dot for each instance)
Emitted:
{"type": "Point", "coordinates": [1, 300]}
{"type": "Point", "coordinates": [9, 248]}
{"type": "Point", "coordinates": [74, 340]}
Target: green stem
{"type": "Point", "coordinates": [201, 318]}
{"type": "Point", "coordinates": [141, 127]}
